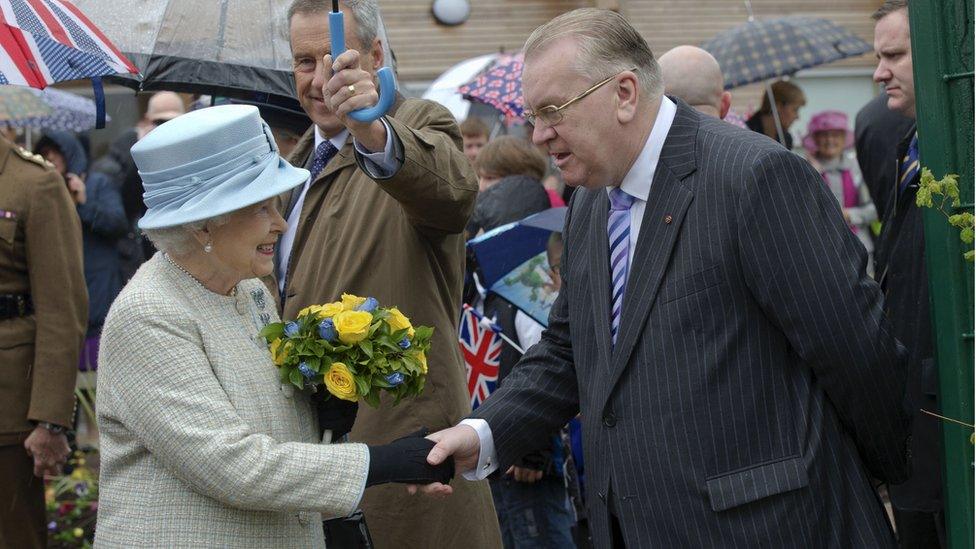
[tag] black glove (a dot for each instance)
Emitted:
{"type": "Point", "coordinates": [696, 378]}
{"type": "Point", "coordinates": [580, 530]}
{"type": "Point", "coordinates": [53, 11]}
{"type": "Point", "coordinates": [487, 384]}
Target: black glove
{"type": "Point", "coordinates": [335, 414]}
{"type": "Point", "coordinates": [405, 460]}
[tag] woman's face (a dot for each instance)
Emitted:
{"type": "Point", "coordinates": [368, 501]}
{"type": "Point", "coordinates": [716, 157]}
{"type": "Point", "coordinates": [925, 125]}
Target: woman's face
{"type": "Point", "coordinates": [830, 143]}
{"type": "Point", "coordinates": [245, 244]}
{"type": "Point", "coordinates": [788, 113]}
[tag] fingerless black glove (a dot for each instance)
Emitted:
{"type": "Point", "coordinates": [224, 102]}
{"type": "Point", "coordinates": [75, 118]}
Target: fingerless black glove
{"type": "Point", "coordinates": [405, 460]}
{"type": "Point", "coordinates": [335, 414]}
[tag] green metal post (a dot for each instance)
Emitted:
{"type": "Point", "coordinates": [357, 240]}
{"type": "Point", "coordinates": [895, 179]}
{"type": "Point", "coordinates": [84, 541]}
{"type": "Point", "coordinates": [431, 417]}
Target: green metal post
{"type": "Point", "coordinates": [942, 54]}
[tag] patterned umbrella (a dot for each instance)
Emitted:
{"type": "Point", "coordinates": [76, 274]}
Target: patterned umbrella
{"type": "Point", "coordinates": [17, 104]}
{"type": "Point", "coordinates": [762, 49]}
{"type": "Point", "coordinates": [65, 111]}
{"type": "Point", "coordinates": [500, 86]}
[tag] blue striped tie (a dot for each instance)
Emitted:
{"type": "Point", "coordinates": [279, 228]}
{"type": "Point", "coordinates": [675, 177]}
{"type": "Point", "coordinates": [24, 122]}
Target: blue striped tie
{"type": "Point", "coordinates": [909, 165]}
{"type": "Point", "coordinates": [618, 231]}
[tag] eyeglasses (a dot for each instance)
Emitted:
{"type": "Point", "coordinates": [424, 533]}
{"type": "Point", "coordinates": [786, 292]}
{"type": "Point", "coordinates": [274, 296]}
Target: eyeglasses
{"type": "Point", "coordinates": [551, 115]}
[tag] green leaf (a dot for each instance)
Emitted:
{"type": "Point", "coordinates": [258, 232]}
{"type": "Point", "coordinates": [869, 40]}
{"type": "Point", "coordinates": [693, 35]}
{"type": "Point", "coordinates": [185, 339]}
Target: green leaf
{"type": "Point", "coordinates": [296, 379]}
{"type": "Point", "coordinates": [424, 332]}
{"type": "Point", "coordinates": [283, 372]}
{"type": "Point", "coordinates": [970, 255]}
{"type": "Point", "coordinates": [966, 235]}
{"type": "Point", "coordinates": [367, 347]}
{"type": "Point", "coordinates": [362, 385]}
{"type": "Point", "coordinates": [372, 398]}
{"type": "Point", "coordinates": [273, 331]}
{"type": "Point", "coordinates": [923, 199]}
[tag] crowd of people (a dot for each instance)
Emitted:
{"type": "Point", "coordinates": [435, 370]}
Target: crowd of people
{"type": "Point", "coordinates": [741, 330]}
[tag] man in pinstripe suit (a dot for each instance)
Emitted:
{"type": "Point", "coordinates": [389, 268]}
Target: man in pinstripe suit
{"type": "Point", "coordinates": [745, 387]}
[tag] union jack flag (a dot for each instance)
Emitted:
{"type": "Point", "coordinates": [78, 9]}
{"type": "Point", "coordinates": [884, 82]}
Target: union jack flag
{"type": "Point", "coordinates": [482, 349]}
{"type": "Point", "coordinates": [48, 41]}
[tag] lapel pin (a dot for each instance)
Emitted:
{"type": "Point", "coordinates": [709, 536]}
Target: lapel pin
{"type": "Point", "coordinates": [667, 219]}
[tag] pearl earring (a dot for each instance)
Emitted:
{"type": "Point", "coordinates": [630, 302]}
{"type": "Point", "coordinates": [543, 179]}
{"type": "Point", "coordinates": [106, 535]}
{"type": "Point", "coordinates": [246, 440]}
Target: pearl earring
{"type": "Point", "coordinates": [208, 248]}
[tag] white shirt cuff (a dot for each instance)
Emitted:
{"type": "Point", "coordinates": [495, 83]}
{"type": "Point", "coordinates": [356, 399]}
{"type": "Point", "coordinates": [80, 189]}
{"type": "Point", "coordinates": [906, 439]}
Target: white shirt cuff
{"type": "Point", "coordinates": [383, 163]}
{"type": "Point", "coordinates": [487, 460]}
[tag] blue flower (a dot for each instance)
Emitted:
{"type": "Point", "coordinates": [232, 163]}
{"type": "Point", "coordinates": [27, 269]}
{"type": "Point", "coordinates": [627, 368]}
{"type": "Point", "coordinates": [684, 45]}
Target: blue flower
{"type": "Point", "coordinates": [327, 330]}
{"type": "Point", "coordinates": [404, 343]}
{"type": "Point", "coordinates": [291, 329]}
{"type": "Point", "coordinates": [369, 305]}
{"type": "Point", "coordinates": [395, 378]}
{"type": "Point", "coordinates": [306, 371]}
{"type": "Point", "coordinates": [81, 489]}
{"type": "Point", "coordinates": [52, 526]}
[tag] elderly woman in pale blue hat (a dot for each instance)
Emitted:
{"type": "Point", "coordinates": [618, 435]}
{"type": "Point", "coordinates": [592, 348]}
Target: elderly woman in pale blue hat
{"type": "Point", "coordinates": [202, 446]}
{"type": "Point", "coordinates": [829, 145]}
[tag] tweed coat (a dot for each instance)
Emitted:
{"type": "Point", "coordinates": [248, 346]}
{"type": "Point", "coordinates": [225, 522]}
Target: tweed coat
{"type": "Point", "coordinates": [201, 445]}
{"type": "Point", "coordinates": [399, 239]}
{"type": "Point", "coordinates": [40, 255]}
{"type": "Point", "coordinates": [754, 387]}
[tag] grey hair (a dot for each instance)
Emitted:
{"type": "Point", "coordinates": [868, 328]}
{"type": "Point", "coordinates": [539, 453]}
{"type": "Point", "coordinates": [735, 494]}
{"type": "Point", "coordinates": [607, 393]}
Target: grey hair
{"type": "Point", "coordinates": [366, 13]}
{"type": "Point", "coordinates": [179, 240]}
{"type": "Point", "coordinates": [889, 7]}
{"type": "Point", "coordinates": [607, 44]}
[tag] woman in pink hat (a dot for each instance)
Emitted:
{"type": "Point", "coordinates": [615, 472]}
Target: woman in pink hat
{"type": "Point", "coordinates": [829, 144]}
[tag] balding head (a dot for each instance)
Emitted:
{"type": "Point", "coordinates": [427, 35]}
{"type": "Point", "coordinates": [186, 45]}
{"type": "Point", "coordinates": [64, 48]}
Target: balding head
{"type": "Point", "coordinates": [164, 106]}
{"type": "Point", "coordinates": [693, 75]}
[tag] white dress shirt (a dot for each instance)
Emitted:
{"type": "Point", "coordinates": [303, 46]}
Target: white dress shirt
{"type": "Point", "coordinates": [380, 164]}
{"type": "Point", "coordinates": [637, 183]}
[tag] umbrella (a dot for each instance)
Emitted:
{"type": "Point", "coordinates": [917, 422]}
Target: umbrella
{"type": "Point", "coordinates": [512, 262]}
{"type": "Point", "coordinates": [66, 111]}
{"type": "Point", "coordinates": [500, 86]}
{"type": "Point", "coordinates": [48, 41]}
{"type": "Point", "coordinates": [18, 103]}
{"type": "Point", "coordinates": [758, 50]}
{"type": "Point", "coordinates": [444, 89]}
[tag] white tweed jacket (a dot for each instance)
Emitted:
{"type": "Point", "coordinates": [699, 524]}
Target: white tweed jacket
{"type": "Point", "coordinates": [201, 445]}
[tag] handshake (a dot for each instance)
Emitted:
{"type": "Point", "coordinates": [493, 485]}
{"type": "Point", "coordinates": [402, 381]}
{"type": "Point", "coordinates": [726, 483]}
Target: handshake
{"type": "Point", "coordinates": [405, 460]}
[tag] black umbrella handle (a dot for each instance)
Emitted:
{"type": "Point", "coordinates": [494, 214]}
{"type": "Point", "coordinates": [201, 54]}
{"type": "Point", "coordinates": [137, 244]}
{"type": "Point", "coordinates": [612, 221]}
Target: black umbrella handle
{"type": "Point", "coordinates": [388, 84]}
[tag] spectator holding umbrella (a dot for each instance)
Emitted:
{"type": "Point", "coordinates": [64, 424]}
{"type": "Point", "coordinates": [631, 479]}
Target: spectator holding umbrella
{"type": "Point", "coordinates": [789, 99]}
{"type": "Point", "coordinates": [828, 146]}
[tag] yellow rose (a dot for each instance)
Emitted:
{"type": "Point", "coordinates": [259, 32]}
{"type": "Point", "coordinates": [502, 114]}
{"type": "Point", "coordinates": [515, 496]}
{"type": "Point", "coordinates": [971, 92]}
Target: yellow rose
{"type": "Point", "coordinates": [279, 351]}
{"type": "Point", "coordinates": [329, 310]}
{"type": "Point", "coordinates": [353, 326]}
{"type": "Point", "coordinates": [350, 302]}
{"type": "Point", "coordinates": [397, 321]}
{"type": "Point", "coordinates": [311, 309]}
{"type": "Point", "coordinates": [339, 382]}
{"type": "Point", "coordinates": [422, 358]}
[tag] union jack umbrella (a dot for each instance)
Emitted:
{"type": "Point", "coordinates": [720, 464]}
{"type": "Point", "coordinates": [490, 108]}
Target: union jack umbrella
{"type": "Point", "coordinates": [48, 41]}
{"type": "Point", "coordinates": [500, 86]}
{"type": "Point", "coordinates": [482, 349]}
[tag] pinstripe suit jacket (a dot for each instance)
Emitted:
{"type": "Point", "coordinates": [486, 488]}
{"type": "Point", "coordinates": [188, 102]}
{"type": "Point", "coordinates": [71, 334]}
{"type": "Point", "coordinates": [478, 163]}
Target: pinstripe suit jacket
{"type": "Point", "coordinates": [754, 387]}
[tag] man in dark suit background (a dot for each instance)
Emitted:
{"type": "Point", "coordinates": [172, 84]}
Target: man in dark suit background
{"type": "Point", "coordinates": [901, 272]}
{"type": "Point", "coordinates": [742, 386]}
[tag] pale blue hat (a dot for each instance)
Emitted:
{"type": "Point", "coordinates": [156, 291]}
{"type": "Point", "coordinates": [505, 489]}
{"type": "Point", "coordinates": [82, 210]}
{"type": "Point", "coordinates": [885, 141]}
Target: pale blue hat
{"type": "Point", "coordinates": [210, 162]}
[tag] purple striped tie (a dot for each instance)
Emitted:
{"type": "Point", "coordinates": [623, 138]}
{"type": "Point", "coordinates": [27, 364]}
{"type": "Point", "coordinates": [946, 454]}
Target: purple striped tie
{"type": "Point", "coordinates": [618, 231]}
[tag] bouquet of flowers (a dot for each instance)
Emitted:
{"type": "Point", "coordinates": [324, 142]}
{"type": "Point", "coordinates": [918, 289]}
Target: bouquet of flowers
{"type": "Point", "coordinates": [354, 348]}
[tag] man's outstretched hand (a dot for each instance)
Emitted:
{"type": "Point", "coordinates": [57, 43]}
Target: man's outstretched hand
{"type": "Point", "coordinates": [460, 441]}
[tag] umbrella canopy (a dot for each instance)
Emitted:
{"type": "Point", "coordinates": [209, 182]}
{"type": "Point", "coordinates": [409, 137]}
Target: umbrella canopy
{"type": "Point", "coordinates": [18, 104]}
{"type": "Point", "coordinates": [513, 264]}
{"type": "Point", "coordinates": [66, 111]}
{"type": "Point", "coordinates": [444, 89]}
{"type": "Point", "coordinates": [48, 41]}
{"type": "Point", "coordinates": [762, 49]}
{"type": "Point", "coordinates": [234, 49]}
{"type": "Point", "coordinates": [500, 86]}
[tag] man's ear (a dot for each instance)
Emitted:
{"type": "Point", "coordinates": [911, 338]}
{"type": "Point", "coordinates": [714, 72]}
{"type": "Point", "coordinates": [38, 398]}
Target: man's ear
{"type": "Point", "coordinates": [725, 105]}
{"type": "Point", "coordinates": [376, 55]}
{"type": "Point", "coordinates": [628, 96]}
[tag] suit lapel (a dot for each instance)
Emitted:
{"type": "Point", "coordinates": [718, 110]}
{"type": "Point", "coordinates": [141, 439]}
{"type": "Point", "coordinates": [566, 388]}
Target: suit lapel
{"type": "Point", "coordinates": [599, 268]}
{"type": "Point", "coordinates": [667, 204]}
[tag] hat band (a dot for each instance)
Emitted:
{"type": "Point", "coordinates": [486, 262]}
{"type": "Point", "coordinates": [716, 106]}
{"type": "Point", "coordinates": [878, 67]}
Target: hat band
{"type": "Point", "coordinates": [164, 193]}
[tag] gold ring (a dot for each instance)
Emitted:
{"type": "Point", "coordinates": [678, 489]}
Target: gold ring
{"type": "Point", "coordinates": [351, 88]}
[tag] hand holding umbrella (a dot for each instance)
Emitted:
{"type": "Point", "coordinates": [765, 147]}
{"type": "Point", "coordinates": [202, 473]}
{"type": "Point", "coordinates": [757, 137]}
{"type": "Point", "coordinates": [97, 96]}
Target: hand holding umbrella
{"type": "Point", "coordinates": [357, 110]}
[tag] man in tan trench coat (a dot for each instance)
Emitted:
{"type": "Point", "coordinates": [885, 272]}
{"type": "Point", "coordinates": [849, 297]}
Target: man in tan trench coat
{"type": "Point", "coordinates": [383, 216]}
{"type": "Point", "coordinates": [43, 315]}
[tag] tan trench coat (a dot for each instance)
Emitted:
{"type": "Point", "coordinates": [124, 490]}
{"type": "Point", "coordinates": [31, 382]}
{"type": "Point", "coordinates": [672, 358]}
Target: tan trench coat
{"type": "Point", "coordinates": [400, 240]}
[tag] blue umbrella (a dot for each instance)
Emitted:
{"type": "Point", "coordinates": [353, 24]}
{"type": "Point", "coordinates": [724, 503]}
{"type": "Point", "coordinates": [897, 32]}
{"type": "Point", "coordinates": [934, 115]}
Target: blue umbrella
{"type": "Point", "coordinates": [758, 50]}
{"type": "Point", "coordinates": [513, 264]}
{"type": "Point", "coordinates": [66, 111]}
